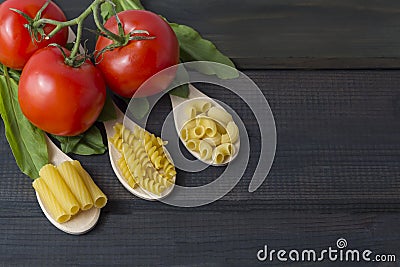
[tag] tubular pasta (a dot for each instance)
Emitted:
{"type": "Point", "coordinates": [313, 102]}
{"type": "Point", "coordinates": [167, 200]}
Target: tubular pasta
{"type": "Point", "coordinates": [221, 152]}
{"type": "Point", "coordinates": [205, 150]}
{"type": "Point", "coordinates": [221, 129]}
{"type": "Point", "coordinates": [190, 111]}
{"type": "Point", "coordinates": [99, 198]}
{"type": "Point", "coordinates": [200, 105]}
{"type": "Point", "coordinates": [49, 201]}
{"type": "Point", "coordinates": [210, 127]}
{"type": "Point", "coordinates": [219, 115]}
{"type": "Point", "coordinates": [233, 131]}
{"type": "Point", "coordinates": [215, 140]}
{"type": "Point", "coordinates": [196, 132]}
{"type": "Point", "coordinates": [225, 139]}
{"type": "Point", "coordinates": [193, 144]}
{"type": "Point", "coordinates": [75, 184]}
{"type": "Point", "coordinates": [59, 188]}
{"type": "Point", "coordinates": [185, 134]}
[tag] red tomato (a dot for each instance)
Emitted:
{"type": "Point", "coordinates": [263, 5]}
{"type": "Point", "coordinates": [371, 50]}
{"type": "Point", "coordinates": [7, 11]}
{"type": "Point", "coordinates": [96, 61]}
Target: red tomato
{"type": "Point", "coordinates": [16, 45]}
{"type": "Point", "coordinates": [126, 68]}
{"type": "Point", "coordinates": [57, 98]}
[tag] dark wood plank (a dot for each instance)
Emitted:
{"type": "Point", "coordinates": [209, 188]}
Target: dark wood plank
{"type": "Point", "coordinates": [134, 233]}
{"type": "Point", "coordinates": [338, 144]}
{"type": "Point", "coordinates": [287, 34]}
{"type": "Point", "coordinates": [278, 34]}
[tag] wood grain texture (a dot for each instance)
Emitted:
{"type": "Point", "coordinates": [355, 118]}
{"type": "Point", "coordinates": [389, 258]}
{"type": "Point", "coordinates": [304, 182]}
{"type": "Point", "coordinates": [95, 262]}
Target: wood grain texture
{"type": "Point", "coordinates": [336, 174]}
{"type": "Point", "coordinates": [278, 34]}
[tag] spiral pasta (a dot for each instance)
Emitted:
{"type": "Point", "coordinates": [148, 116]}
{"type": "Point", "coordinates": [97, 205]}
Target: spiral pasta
{"type": "Point", "coordinates": [143, 161]}
{"type": "Point", "coordinates": [123, 167]}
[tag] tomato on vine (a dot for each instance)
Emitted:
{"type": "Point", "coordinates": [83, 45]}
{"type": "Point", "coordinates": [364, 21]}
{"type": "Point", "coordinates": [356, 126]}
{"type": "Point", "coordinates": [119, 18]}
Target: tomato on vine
{"type": "Point", "coordinates": [18, 39]}
{"type": "Point", "coordinates": [150, 46]}
{"type": "Point", "coordinates": [58, 98]}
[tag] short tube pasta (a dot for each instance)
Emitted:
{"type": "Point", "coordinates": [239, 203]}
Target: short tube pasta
{"type": "Point", "coordinates": [50, 202]}
{"type": "Point", "coordinates": [221, 152]}
{"type": "Point", "coordinates": [209, 125]}
{"type": "Point", "coordinates": [190, 112]}
{"type": "Point", "coordinates": [215, 140]}
{"type": "Point", "coordinates": [76, 184]}
{"type": "Point", "coordinates": [193, 144]}
{"type": "Point", "coordinates": [59, 188]}
{"type": "Point", "coordinates": [219, 115]}
{"type": "Point", "coordinates": [210, 131]}
{"type": "Point", "coordinates": [200, 105]}
{"type": "Point", "coordinates": [99, 198]}
{"type": "Point", "coordinates": [226, 149]}
{"type": "Point", "coordinates": [205, 150]}
{"type": "Point", "coordinates": [233, 131]}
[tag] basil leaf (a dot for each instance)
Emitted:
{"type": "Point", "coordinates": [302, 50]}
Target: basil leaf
{"type": "Point", "coordinates": [106, 11]}
{"type": "Point", "coordinates": [88, 143]}
{"type": "Point", "coordinates": [141, 107]}
{"type": "Point", "coordinates": [28, 143]}
{"type": "Point", "coordinates": [181, 77]}
{"type": "Point", "coordinates": [108, 113]}
{"type": "Point", "coordinates": [181, 91]}
{"type": "Point", "coordinates": [194, 47]}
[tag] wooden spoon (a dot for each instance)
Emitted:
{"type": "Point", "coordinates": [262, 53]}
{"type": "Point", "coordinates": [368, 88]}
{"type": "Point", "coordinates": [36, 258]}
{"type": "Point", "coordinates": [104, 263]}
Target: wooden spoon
{"type": "Point", "coordinates": [115, 155]}
{"type": "Point", "coordinates": [80, 223]}
{"type": "Point", "coordinates": [179, 106]}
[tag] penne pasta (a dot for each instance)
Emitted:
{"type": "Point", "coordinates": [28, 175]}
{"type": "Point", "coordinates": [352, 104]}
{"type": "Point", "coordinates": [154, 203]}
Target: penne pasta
{"type": "Point", "coordinates": [76, 184]}
{"type": "Point", "coordinates": [99, 198]}
{"type": "Point", "coordinates": [49, 201]}
{"type": "Point", "coordinates": [59, 188]}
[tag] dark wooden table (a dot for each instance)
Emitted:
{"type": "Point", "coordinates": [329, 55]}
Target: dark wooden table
{"type": "Point", "coordinates": [336, 172]}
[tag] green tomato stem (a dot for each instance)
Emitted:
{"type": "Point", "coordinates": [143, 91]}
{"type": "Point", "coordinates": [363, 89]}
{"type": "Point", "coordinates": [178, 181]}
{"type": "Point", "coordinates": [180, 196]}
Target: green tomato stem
{"type": "Point", "coordinates": [93, 8]}
{"type": "Point", "coordinates": [115, 37]}
{"type": "Point", "coordinates": [75, 48]}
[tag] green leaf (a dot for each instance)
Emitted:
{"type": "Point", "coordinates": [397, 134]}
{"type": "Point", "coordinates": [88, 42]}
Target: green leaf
{"type": "Point", "coordinates": [181, 91]}
{"type": "Point", "coordinates": [139, 107]}
{"type": "Point", "coordinates": [88, 143]}
{"type": "Point", "coordinates": [108, 113]}
{"type": "Point", "coordinates": [193, 47]}
{"type": "Point", "coordinates": [107, 9]}
{"type": "Point", "coordinates": [180, 83]}
{"type": "Point", "coordinates": [130, 4]}
{"type": "Point", "coordinates": [28, 143]}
